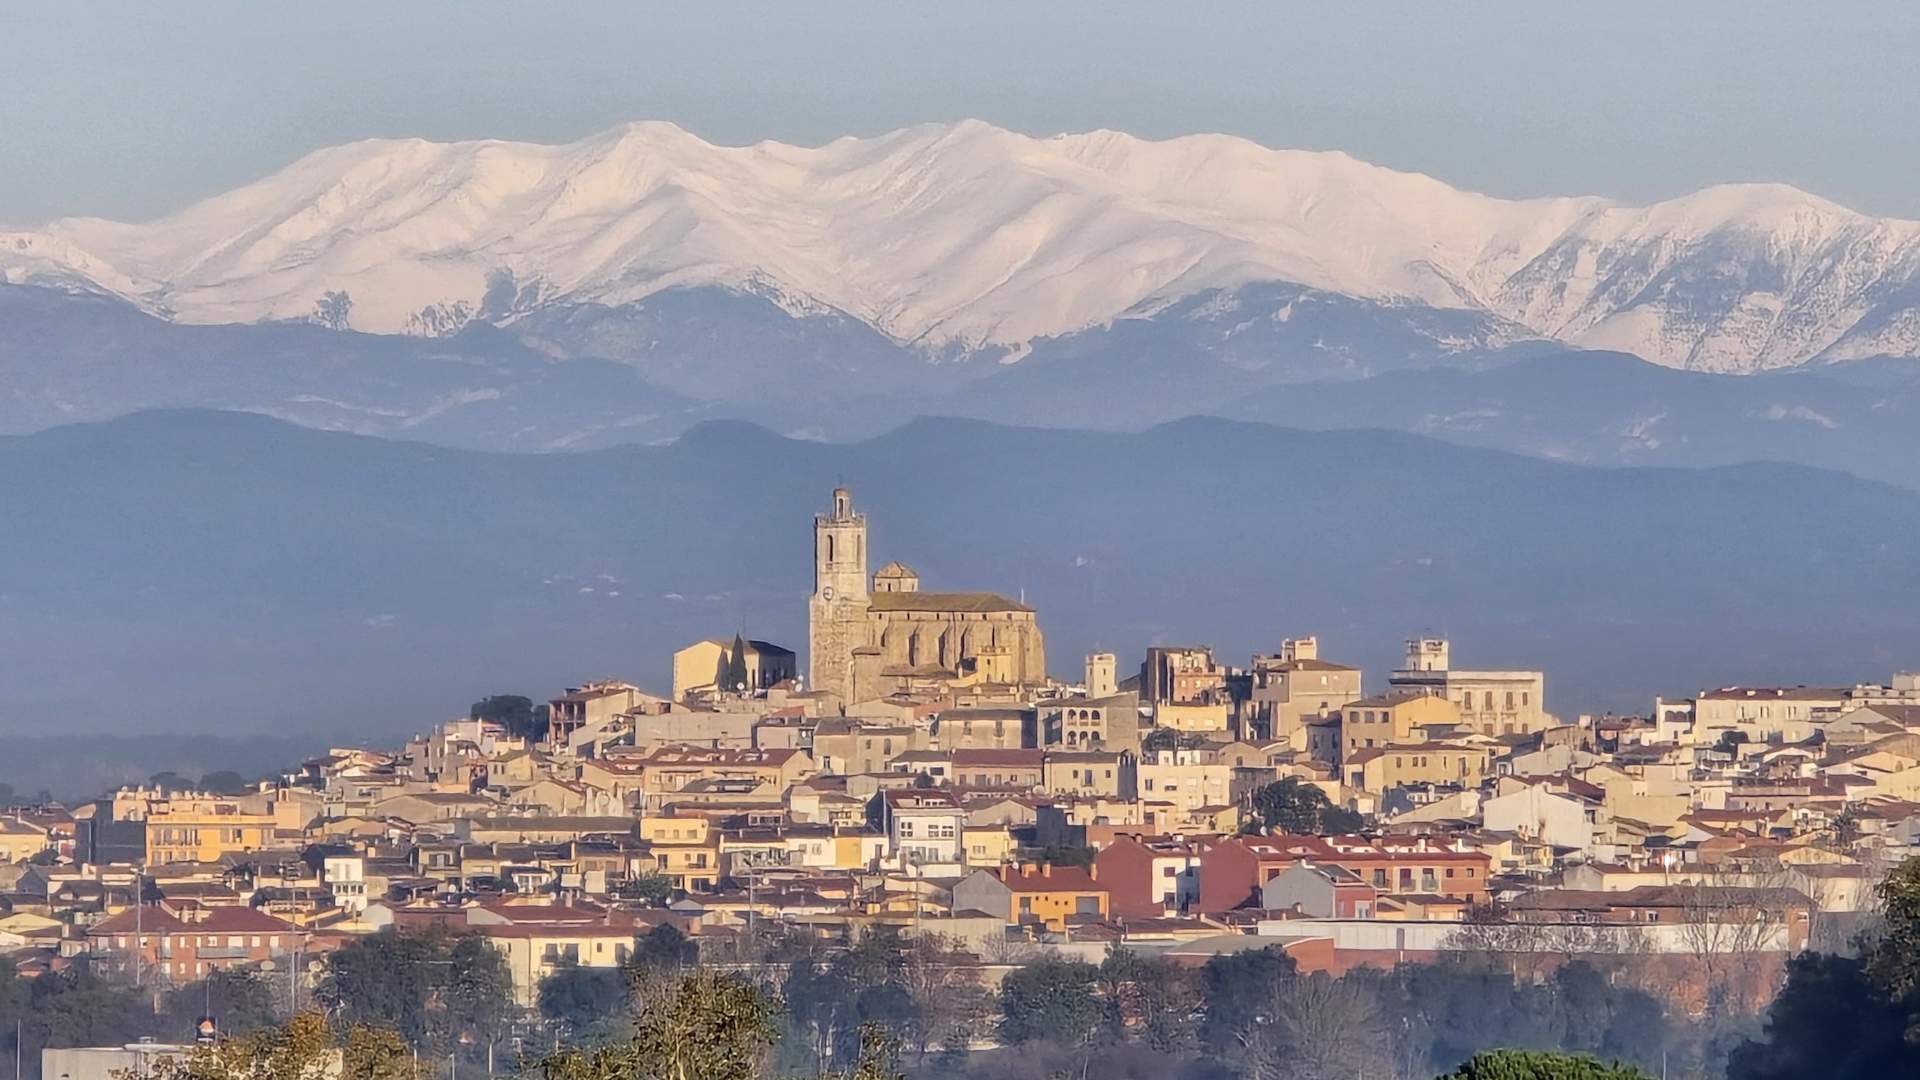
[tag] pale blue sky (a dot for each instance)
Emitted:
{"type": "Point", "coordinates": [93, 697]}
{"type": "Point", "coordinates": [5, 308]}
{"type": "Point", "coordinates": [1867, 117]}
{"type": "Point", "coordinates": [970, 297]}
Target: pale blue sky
{"type": "Point", "coordinates": [130, 110]}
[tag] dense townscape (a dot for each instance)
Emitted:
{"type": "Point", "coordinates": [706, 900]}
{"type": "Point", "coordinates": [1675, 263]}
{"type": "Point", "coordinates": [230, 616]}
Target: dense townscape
{"type": "Point", "coordinates": [1180, 866]}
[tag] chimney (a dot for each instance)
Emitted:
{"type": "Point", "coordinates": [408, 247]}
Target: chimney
{"type": "Point", "coordinates": [1093, 871]}
{"type": "Point", "coordinates": [1046, 870]}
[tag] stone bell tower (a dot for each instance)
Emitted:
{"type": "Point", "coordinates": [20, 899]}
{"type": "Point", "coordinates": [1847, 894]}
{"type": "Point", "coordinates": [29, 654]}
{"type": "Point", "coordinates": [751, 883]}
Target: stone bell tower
{"type": "Point", "coordinates": [837, 611]}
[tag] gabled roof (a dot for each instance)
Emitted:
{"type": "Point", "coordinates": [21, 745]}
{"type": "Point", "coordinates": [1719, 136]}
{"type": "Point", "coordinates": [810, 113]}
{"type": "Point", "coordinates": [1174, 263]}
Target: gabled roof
{"type": "Point", "coordinates": [1774, 693]}
{"type": "Point", "coordinates": [1043, 879]}
{"type": "Point", "coordinates": [1031, 759]}
{"type": "Point", "coordinates": [962, 602]}
{"type": "Point", "coordinates": [158, 919]}
{"type": "Point", "coordinates": [1388, 701]}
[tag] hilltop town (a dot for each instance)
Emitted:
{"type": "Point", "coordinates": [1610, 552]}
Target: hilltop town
{"type": "Point", "coordinates": [924, 772]}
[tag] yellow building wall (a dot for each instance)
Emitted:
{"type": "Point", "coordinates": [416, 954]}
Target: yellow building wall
{"type": "Point", "coordinates": [1414, 765]}
{"type": "Point", "coordinates": [1052, 908]}
{"type": "Point", "coordinates": [193, 837]}
{"type": "Point", "coordinates": [987, 846]}
{"type": "Point", "coordinates": [1191, 717]}
{"type": "Point", "coordinates": [1398, 724]}
{"type": "Point", "coordinates": [21, 846]}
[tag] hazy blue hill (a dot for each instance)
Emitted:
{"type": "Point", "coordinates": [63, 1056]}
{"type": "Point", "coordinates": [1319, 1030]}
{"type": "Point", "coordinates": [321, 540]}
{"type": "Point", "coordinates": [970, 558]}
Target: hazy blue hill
{"type": "Point", "coordinates": [1189, 356]}
{"type": "Point", "coordinates": [233, 573]}
{"type": "Point", "coordinates": [719, 344]}
{"type": "Point", "coordinates": [692, 355]}
{"type": "Point", "coordinates": [1612, 409]}
{"type": "Point", "coordinates": [67, 358]}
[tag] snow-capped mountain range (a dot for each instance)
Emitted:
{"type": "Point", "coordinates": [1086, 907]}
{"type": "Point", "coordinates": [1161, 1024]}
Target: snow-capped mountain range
{"type": "Point", "coordinates": [962, 240]}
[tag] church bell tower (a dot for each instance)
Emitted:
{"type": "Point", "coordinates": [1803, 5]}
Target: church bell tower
{"type": "Point", "coordinates": [837, 611]}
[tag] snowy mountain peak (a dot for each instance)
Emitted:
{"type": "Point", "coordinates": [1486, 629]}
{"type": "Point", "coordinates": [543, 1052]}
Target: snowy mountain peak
{"type": "Point", "coordinates": [967, 236]}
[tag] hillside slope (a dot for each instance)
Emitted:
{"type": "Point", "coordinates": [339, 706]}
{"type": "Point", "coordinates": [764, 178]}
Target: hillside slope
{"type": "Point", "coordinates": [212, 571]}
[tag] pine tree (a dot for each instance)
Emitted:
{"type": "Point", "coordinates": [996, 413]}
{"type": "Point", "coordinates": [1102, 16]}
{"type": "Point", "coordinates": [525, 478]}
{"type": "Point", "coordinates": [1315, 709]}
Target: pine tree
{"type": "Point", "coordinates": [736, 666]}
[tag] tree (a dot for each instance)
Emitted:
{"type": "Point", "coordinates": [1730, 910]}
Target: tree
{"type": "Point", "coordinates": [654, 890]}
{"type": "Point", "coordinates": [513, 712]}
{"type": "Point", "coordinates": [1050, 999]}
{"type": "Point", "coordinates": [879, 1056]}
{"type": "Point", "coordinates": [376, 1053]}
{"type": "Point", "coordinates": [584, 1000]}
{"type": "Point", "coordinates": [438, 989]}
{"type": "Point", "coordinates": [1147, 1000]}
{"type": "Point", "coordinates": [662, 950]}
{"type": "Point", "coordinates": [1540, 1065]}
{"type": "Point", "coordinates": [1233, 986]}
{"type": "Point", "coordinates": [1831, 1021]}
{"type": "Point", "coordinates": [1171, 739]}
{"type": "Point", "coordinates": [478, 992]}
{"type": "Point", "coordinates": [1059, 855]}
{"type": "Point", "coordinates": [1731, 920]}
{"type": "Point", "coordinates": [1289, 806]}
{"type": "Point", "coordinates": [704, 1026]}
{"type": "Point", "coordinates": [241, 1000]}
{"type": "Point", "coordinates": [865, 984]}
{"type": "Point", "coordinates": [304, 1048]}
{"type": "Point", "coordinates": [733, 673]}
{"type": "Point", "coordinates": [943, 982]}
{"type": "Point", "coordinates": [1893, 963]}
{"type": "Point", "coordinates": [225, 782]}
{"type": "Point", "coordinates": [1316, 1027]}
{"type": "Point", "coordinates": [168, 780]}
{"type": "Point", "coordinates": [1846, 1018]}
{"type": "Point", "coordinates": [76, 1007]}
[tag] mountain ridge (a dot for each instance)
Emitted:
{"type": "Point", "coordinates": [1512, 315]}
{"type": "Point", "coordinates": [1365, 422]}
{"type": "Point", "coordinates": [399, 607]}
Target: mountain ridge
{"type": "Point", "coordinates": [965, 239]}
{"type": "Point", "coordinates": [338, 578]}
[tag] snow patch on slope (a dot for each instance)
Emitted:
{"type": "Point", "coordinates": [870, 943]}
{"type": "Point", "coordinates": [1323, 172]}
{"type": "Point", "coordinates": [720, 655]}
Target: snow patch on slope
{"type": "Point", "coordinates": [964, 237]}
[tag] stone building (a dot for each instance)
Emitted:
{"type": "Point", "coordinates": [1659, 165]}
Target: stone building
{"type": "Point", "coordinates": [1293, 685]}
{"type": "Point", "coordinates": [1490, 702]}
{"type": "Point", "coordinates": [699, 666]}
{"type": "Point", "coordinates": [1181, 675]}
{"type": "Point", "coordinates": [865, 637]}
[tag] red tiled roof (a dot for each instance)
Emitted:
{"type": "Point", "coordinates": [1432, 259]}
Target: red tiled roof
{"type": "Point", "coordinates": [157, 919]}
{"type": "Point", "coordinates": [1015, 758]}
{"type": "Point", "coordinates": [1050, 879]}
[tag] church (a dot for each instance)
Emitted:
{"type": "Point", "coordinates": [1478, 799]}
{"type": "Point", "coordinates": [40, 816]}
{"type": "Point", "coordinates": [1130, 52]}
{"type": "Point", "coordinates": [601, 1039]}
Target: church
{"type": "Point", "coordinates": [867, 638]}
